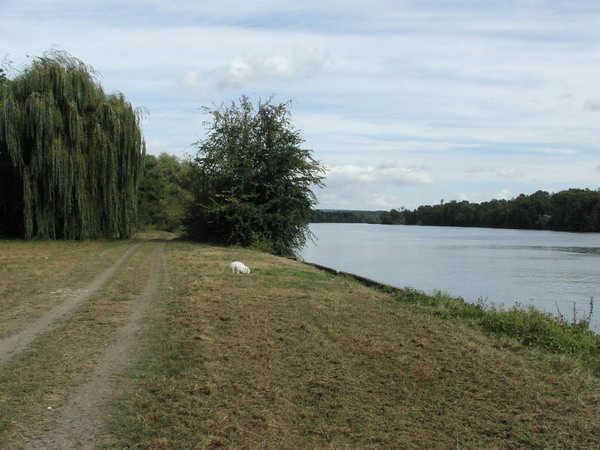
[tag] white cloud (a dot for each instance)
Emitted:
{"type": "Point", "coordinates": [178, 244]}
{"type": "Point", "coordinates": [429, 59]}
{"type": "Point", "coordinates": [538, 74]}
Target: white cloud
{"type": "Point", "coordinates": [388, 174]}
{"type": "Point", "coordinates": [559, 151]}
{"type": "Point", "coordinates": [246, 70]}
{"type": "Point", "coordinates": [504, 194]}
{"type": "Point", "coordinates": [191, 81]}
{"type": "Point", "coordinates": [251, 69]}
{"type": "Point", "coordinates": [477, 170]}
{"type": "Point", "coordinates": [509, 173]}
{"type": "Point", "coordinates": [592, 104]}
{"type": "Point", "coordinates": [371, 187]}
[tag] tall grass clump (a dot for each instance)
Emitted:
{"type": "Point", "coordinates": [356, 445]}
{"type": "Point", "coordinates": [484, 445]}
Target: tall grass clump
{"type": "Point", "coordinates": [530, 326]}
{"type": "Point", "coordinates": [555, 334]}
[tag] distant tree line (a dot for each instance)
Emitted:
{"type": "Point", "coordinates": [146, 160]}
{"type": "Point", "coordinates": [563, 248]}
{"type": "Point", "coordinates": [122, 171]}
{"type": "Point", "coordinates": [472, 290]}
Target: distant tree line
{"type": "Point", "coordinates": [575, 210]}
{"type": "Point", "coordinates": [344, 216]}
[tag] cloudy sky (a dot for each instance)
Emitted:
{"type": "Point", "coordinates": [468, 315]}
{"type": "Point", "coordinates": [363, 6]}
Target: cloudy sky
{"type": "Point", "coordinates": [406, 102]}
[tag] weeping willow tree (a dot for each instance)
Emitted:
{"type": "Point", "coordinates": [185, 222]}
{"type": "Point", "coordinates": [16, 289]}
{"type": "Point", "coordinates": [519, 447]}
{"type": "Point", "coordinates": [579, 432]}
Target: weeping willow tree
{"type": "Point", "coordinates": [70, 155]}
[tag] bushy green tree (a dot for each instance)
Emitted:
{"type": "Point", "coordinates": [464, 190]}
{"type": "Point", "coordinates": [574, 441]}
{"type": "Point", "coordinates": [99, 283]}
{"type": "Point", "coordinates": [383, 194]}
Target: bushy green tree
{"type": "Point", "coordinates": [164, 192]}
{"type": "Point", "coordinates": [70, 155]}
{"type": "Point", "coordinates": [253, 179]}
{"type": "Point", "coordinates": [576, 210]}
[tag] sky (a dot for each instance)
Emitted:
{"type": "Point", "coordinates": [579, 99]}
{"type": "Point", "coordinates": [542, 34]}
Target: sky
{"type": "Point", "coordinates": [404, 102]}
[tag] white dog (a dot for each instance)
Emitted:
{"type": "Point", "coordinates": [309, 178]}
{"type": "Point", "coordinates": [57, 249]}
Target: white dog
{"type": "Point", "coordinates": [239, 267]}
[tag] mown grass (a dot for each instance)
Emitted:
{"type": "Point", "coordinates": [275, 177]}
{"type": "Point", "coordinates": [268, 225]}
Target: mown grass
{"type": "Point", "coordinates": [291, 357]}
{"type": "Point", "coordinates": [41, 377]}
{"type": "Point", "coordinates": [35, 275]}
{"type": "Point", "coordinates": [529, 325]}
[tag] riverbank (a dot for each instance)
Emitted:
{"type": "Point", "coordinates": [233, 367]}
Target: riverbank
{"type": "Point", "coordinates": [554, 272]}
{"type": "Point", "coordinates": [528, 325]}
{"type": "Point", "coordinates": [291, 356]}
{"type": "Point", "coordinates": [287, 356]}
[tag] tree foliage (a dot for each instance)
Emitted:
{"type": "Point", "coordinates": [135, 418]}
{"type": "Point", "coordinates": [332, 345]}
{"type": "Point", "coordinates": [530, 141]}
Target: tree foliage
{"type": "Point", "coordinates": [253, 180]}
{"type": "Point", "coordinates": [570, 210]}
{"type": "Point", "coordinates": [165, 192]}
{"type": "Point", "coordinates": [70, 155]}
{"type": "Point", "coordinates": [345, 216]}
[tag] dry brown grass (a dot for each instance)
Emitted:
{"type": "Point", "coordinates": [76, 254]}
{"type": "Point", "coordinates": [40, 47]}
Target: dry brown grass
{"type": "Point", "coordinates": [36, 275]}
{"type": "Point", "coordinates": [288, 356]}
{"type": "Point", "coordinates": [42, 376]}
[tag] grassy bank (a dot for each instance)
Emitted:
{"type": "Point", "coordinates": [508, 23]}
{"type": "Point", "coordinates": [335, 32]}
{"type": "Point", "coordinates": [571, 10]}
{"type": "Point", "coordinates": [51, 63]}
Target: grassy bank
{"type": "Point", "coordinates": [528, 326]}
{"type": "Point", "coordinates": [290, 356]}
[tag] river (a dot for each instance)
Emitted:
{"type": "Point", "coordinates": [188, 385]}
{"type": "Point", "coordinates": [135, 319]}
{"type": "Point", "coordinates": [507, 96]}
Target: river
{"type": "Point", "coordinates": [555, 272]}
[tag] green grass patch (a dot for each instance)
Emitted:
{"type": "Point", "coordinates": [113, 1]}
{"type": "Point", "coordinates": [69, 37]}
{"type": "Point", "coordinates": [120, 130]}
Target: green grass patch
{"type": "Point", "coordinates": [528, 325]}
{"type": "Point", "coordinates": [295, 273]}
{"type": "Point", "coordinates": [150, 412]}
{"type": "Point", "coordinates": [292, 278]}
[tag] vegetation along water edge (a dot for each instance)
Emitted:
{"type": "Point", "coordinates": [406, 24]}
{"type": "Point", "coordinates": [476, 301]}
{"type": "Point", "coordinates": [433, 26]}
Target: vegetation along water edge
{"type": "Point", "coordinates": [288, 356]}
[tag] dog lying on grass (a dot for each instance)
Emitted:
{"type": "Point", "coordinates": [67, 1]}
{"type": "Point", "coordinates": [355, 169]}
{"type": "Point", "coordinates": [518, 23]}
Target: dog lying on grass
{"type": "Point", "coordinates": [239, 267]}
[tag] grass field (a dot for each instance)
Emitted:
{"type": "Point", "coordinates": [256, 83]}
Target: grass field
{"type": "Point", "coordinates": [36, 275]}
{"type": "Point", "coordinates": [286, 357]}
{"type": "Point", "coordinates": [289, 356]}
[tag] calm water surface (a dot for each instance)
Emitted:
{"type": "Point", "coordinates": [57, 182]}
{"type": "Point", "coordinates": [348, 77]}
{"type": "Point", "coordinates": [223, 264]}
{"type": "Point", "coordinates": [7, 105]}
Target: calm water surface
{"type": "Point", "coordinates": [556, 272]}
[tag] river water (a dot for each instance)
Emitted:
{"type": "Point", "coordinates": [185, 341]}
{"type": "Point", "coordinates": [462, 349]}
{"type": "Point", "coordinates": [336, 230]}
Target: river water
{"type": "Point", "coordinates": [555, 272]}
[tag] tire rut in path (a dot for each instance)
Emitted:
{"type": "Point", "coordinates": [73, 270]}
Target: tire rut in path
{"type": "Point", "coordinates": [80, 421]}
{"type": "Point", "coordinates": [15, 344]}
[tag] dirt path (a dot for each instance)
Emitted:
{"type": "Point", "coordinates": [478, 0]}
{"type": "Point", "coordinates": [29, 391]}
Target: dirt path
{"type": "Point", "coordinates": [15, 344]}
{"type": "Point", "coordinates": [80, 421]}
